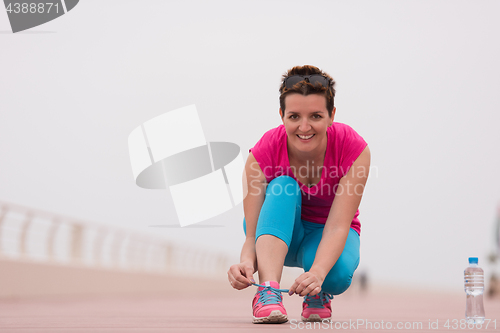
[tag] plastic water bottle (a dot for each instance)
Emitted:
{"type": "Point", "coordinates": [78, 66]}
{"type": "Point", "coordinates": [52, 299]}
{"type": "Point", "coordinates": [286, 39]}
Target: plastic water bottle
{"type": "Point", "coordinates": [474, 287]}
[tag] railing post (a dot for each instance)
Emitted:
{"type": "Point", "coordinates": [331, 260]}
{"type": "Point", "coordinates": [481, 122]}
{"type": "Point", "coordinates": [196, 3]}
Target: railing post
{"type": "Point", "coordinates": [2, 217]}
{"type": "Point", "coordinates": [133, 254]}
{"type": "Point", "coordinates": [51, 239]}
{"type": "Point", "coordinates": [168, 257]}
{"type": "Point", "coordinates": [23, 247]}
{"type": "Point", "coordinates": [221, 263]}
{"type": "Point", "coordinates": [116, 249]}
{"type": "Point", "coordinates": [98, 246]}
{"type": "Point", "coordinates": [76, 242]}
{"type": "Point", "coordinates": [143, 254]}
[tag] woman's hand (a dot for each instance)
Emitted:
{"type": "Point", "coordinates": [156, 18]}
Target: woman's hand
{"type": "Point", "coordinates": [241, 275]}
{"type": "Point", "coordinates": [307, 283]}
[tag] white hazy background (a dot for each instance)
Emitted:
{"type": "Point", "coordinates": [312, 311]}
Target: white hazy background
{"type": "Point", "coordinates": [419, 80]}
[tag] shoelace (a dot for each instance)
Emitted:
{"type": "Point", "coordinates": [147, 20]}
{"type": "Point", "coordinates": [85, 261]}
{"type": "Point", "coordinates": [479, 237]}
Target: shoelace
{"type": "Point", "coordinates": [318, 302]}
{"type": "Point", "coordinates": [273, 298]}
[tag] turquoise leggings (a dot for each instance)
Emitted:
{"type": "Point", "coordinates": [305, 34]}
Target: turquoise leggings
{"type": "Point", "coordinates": [280, 217]}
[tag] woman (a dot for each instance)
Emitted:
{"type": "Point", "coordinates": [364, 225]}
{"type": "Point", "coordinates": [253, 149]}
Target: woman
{"type": "Point", "coordinates": [304, 183]}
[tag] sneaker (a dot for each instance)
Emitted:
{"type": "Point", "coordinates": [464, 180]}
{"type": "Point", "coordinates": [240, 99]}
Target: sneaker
{"type": "Point", "coordinates": [317, 308]}
{"type": "Point", "coordinates": [268, 304]}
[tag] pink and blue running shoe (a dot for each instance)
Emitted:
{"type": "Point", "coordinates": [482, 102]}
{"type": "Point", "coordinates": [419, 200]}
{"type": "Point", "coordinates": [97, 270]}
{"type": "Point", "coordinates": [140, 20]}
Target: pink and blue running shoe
{"type": "Point", "coordinates": [317, 308]}
{"type": "Point", "coordinates": [268, 304]}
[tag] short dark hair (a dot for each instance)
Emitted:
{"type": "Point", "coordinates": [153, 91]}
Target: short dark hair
{"type": "Point", "coordinates": [305, 88]}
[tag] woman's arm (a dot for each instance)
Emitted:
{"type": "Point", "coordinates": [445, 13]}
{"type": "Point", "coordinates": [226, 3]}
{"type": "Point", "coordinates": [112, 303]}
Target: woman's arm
{"type": "Point", "coordinates": [347, 198]}
{"type": "Point", "coordinates": [254, 191]}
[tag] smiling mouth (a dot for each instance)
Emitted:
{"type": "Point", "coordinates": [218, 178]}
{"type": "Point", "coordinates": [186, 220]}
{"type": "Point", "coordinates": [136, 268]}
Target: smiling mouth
{"type": "Point", "coordinates": [305, 137]}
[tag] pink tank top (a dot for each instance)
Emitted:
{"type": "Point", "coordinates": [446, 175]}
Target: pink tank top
{"type": "Point", "coordinates": [343, 148]}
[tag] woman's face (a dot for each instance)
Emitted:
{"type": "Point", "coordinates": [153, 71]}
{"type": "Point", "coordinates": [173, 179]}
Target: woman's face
{"type": "Point", "coordinates": [306, 121]}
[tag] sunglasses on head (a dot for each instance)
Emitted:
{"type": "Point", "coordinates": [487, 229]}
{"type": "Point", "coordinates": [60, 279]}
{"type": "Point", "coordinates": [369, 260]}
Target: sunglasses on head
{"type": "Point", "coordinates": [290, 81]}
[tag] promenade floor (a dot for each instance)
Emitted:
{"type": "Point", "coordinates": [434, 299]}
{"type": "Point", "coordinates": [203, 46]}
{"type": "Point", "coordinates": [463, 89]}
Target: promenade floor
{"type": "Point", "coordinates": [215, 307]}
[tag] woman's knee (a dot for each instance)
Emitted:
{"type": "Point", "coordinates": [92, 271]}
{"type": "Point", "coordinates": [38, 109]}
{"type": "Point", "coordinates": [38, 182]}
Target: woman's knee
{"type": "Point", "coordinates": [283, 185]}
{"type": "Point", "coordinates": [339, 278]}
{"type": "Point", "coordinates": [336, 285]}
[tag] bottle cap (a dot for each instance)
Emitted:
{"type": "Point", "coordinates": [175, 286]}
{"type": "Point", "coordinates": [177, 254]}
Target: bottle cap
{"type": "Point", "coordinates": [473, 260]}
